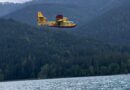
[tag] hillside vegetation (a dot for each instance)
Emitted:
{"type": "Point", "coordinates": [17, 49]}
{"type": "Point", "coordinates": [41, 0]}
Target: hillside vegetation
{"type": "Point", "coordinates": [7, 8]}
{"type": "Point", "coordinates": [27, 53]}
{"type": "Point", "coordinates": [112, 27]}
{"type": "Point", "coordinates": [78, 11]}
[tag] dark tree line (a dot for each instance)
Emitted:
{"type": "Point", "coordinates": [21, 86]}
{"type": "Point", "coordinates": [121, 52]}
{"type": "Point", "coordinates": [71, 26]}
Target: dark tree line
{"type": "Point", "coordinates": [28, 53]}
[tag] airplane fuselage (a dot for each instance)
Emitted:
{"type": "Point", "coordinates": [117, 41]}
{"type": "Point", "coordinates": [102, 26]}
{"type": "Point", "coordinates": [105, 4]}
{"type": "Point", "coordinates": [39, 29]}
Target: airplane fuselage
{"type": "Point", "coordinates": [60, 22]}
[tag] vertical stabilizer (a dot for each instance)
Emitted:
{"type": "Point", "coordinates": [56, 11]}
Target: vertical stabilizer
{"type": "Point", "coordinates": [42, 20]}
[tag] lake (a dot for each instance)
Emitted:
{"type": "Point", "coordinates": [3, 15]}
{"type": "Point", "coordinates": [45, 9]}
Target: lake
{"type": "Point", "coordinates": [117, 82]}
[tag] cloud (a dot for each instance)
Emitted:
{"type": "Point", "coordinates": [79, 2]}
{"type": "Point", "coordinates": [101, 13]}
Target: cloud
{"type": "Point", "coordinates": [15, 1]}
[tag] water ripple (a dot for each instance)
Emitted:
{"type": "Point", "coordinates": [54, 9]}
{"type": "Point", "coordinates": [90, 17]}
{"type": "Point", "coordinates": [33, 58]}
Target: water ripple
{"type": "Point", "coordinates": [117, 82]}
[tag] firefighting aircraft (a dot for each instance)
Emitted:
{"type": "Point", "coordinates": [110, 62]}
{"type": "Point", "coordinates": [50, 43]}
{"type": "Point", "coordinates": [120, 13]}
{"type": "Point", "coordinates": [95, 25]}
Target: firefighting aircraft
{"type": "Point", "coordinates": [60, 22]}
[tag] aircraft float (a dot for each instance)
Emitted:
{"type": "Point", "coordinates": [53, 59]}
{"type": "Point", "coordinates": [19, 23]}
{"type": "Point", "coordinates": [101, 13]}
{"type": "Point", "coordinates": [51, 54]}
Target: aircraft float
{"type": "Point", "coordinates": [60, 21]}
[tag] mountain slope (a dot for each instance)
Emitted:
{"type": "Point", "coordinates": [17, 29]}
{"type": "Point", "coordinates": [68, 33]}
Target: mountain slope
{"type": "Point", "coordinates": [112, 27]}
{"type": "Point", "coordinates": [86, 3]}
{"type": "Point", "coordinates": [78, 11]}
{"type": "Point", "coordinates": [8, 8]}
{"type": "Point", "coordinates": [29, 14]}
{"type": "Point", "coordinates": [27, 52]}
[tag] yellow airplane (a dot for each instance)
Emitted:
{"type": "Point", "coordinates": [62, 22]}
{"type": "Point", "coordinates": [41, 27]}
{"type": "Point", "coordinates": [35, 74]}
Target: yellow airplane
{"type": "Point", "coordinates": [60, 22]}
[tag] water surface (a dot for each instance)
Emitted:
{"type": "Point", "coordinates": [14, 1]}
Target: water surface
{"type": "Point", "coordinates": [117, 82]}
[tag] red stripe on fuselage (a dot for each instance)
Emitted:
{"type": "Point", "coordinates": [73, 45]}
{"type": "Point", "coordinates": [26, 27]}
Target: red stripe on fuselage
{"type": "Point", "coordinates": [64, 26]}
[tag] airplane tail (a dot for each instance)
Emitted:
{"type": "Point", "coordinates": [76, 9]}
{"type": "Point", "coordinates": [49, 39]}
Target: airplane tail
{"type": "Point", "coordinates": [42, 20]}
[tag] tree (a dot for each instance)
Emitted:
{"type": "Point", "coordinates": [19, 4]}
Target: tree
{"type": "Point", "coordinates": [114, 68]}
{"type": "Point", "coordinates": [44, 71]}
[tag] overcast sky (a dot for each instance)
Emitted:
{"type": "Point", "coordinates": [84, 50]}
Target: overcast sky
{"type": "Point", "coordinates": [15, 1]}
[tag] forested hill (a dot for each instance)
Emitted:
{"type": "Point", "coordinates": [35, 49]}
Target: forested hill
{"type": "Point", "coordinates": [112, 27]}
{"type": "Point", "coordinates": [6, 8]}
{"type": "Point", "coordinates": [28, 14]}
{"type": "Point", "coordinates": [27, 53]}
{"type": "Point", "coordinates": [77, 11]}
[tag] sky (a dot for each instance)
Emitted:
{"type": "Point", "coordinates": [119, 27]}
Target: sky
{"type": "Point", "coordinates": [14, 1]}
